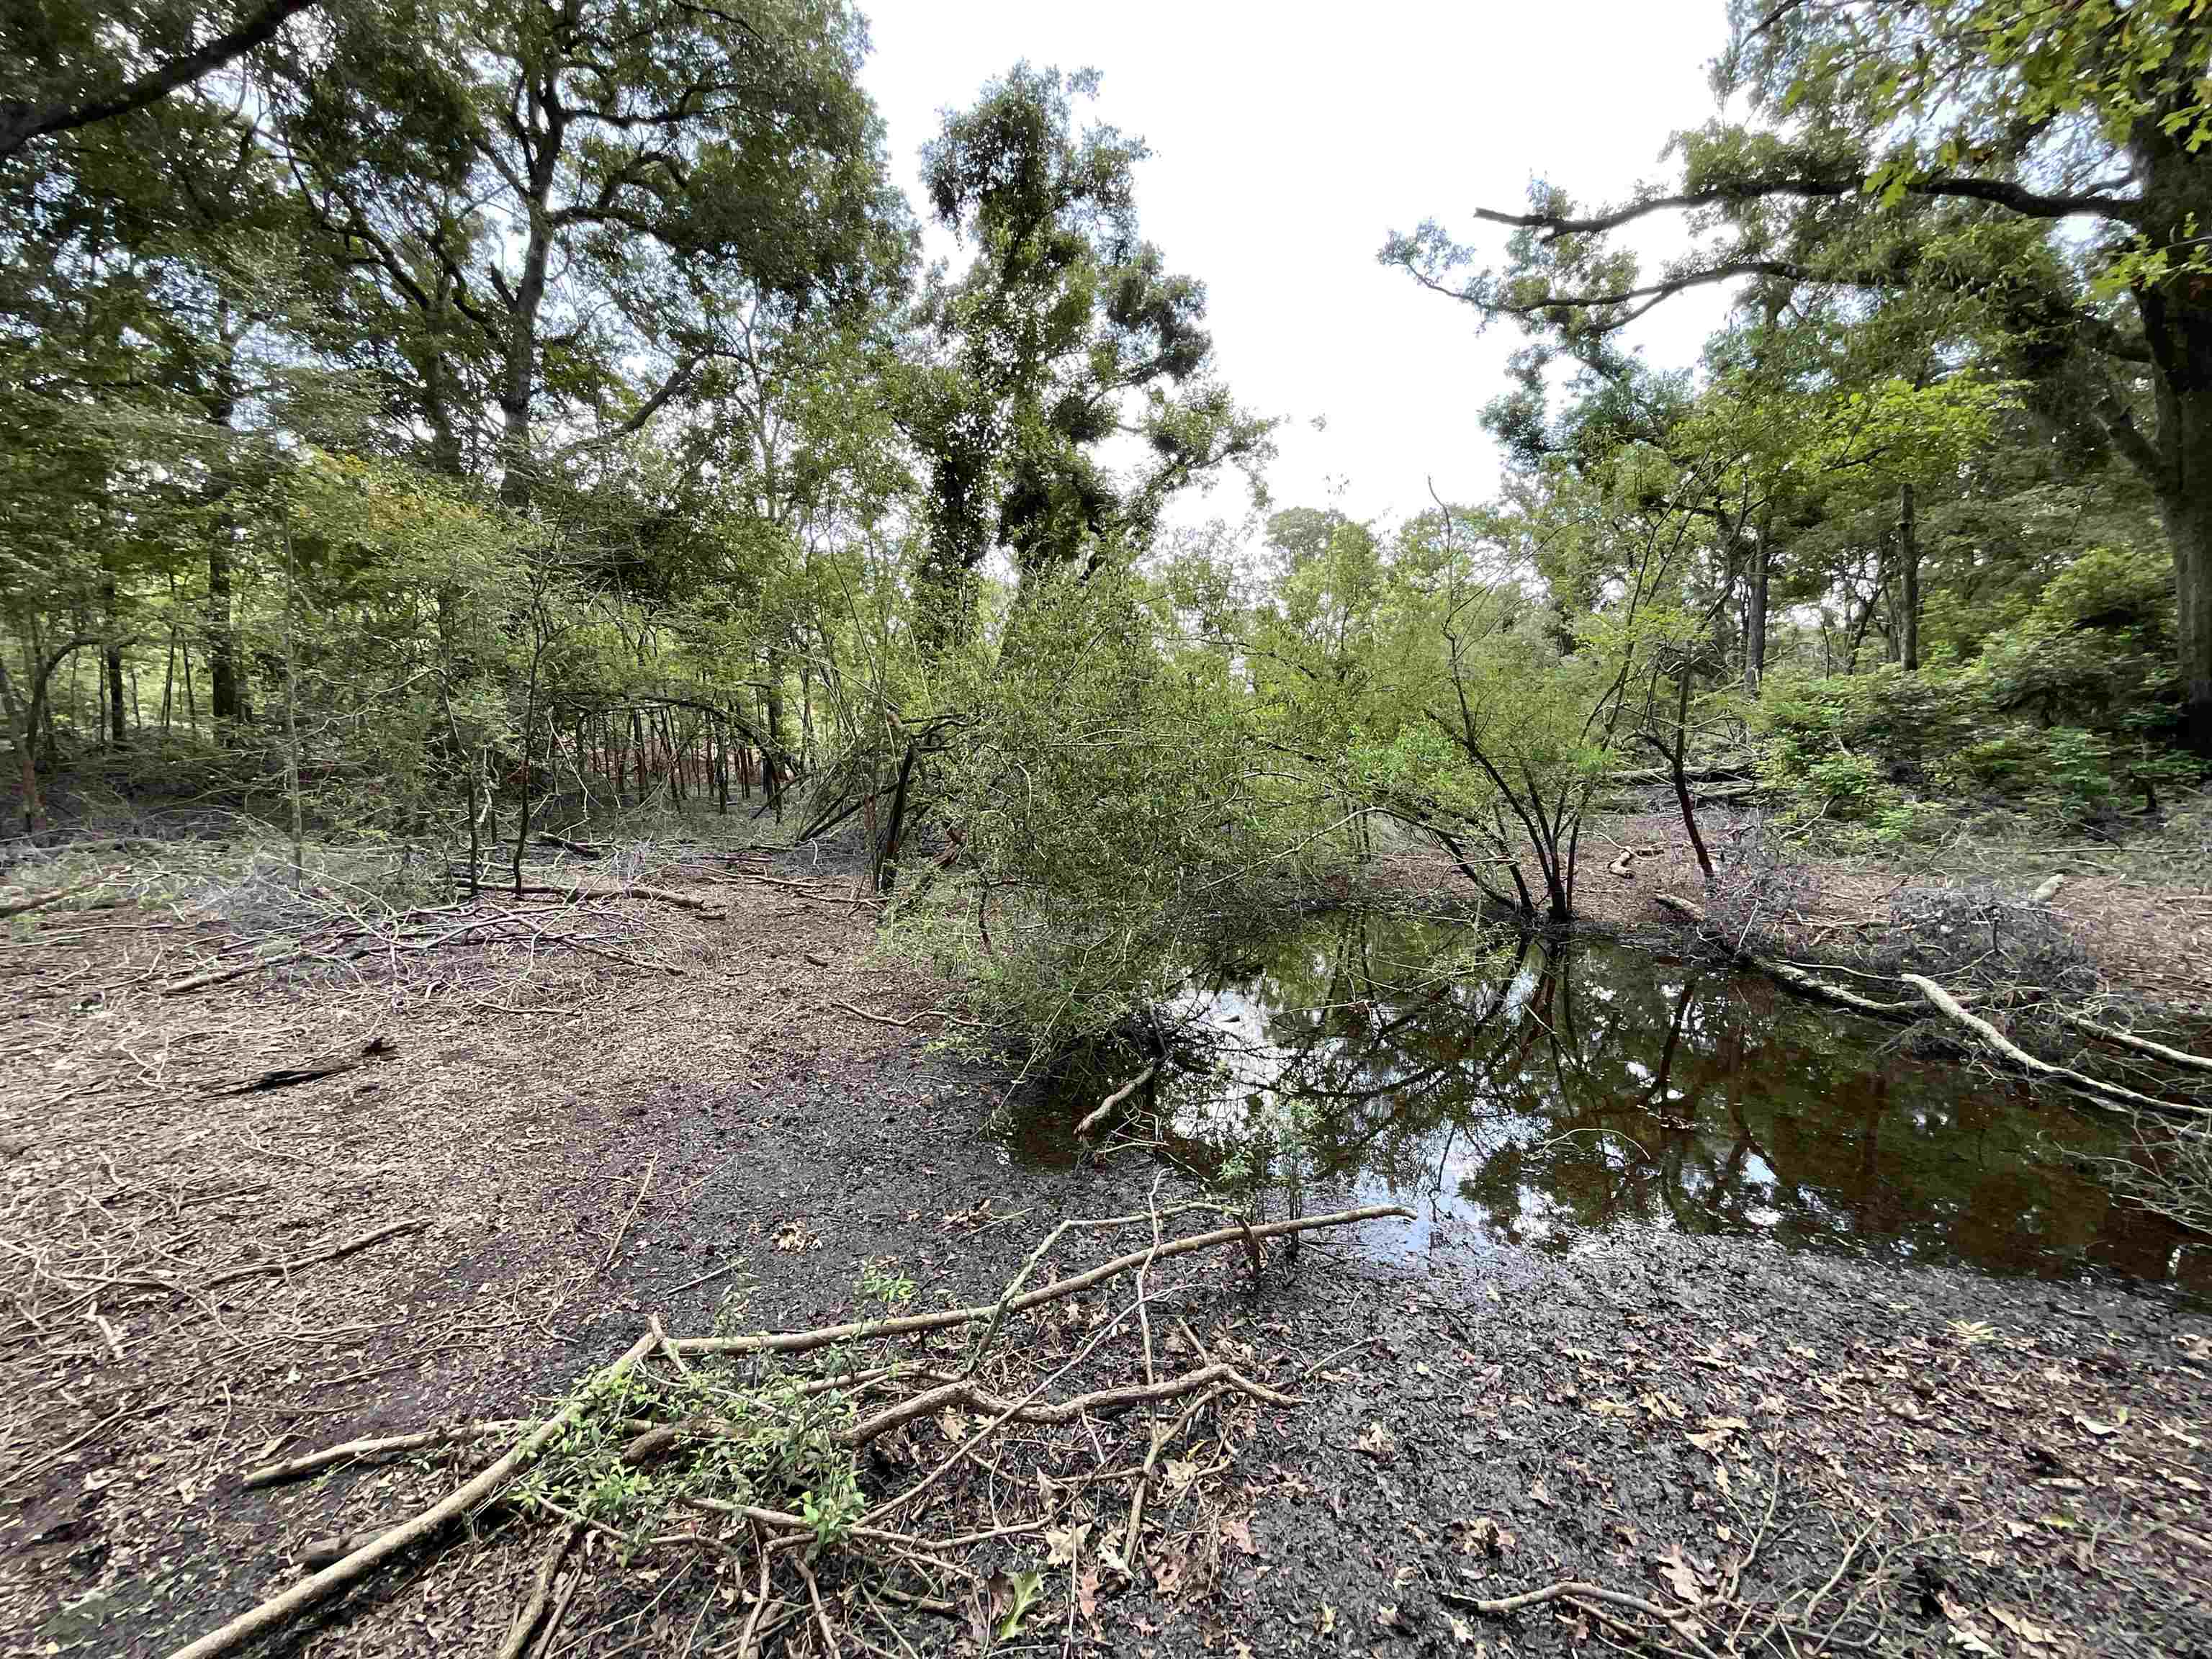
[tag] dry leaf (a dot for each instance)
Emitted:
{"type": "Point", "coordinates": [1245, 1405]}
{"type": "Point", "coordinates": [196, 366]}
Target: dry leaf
{"type": "Point", "coordinates": [1239, 1533]}
{"type": "Point", "coordinates": [1378, 1443]}
{"type": "Point", "coordinates": [1326, 1621]}
{"type": "Point", "coordinates": [2029, 1631]}
{"type": "Point", "coordinates": [1681, 1577]}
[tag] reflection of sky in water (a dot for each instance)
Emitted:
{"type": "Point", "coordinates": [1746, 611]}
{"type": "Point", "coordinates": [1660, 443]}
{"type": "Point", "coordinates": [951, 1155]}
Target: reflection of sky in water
{"type": "Point", "coordinates": [1511, 1092]}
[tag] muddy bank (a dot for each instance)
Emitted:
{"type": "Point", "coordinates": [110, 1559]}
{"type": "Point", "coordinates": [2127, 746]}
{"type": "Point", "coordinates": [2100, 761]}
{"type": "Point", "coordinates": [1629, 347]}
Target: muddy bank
{"type": "Point", "coordinates": [586, 1142]}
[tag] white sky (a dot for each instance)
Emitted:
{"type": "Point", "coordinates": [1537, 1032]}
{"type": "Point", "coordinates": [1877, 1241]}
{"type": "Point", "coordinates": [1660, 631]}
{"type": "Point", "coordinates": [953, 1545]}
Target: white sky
{"type": "Point", "coordinates": [1288, 140]}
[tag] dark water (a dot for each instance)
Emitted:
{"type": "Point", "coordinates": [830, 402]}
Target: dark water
{"type": "Point", "coordinates": [1514, 1090]}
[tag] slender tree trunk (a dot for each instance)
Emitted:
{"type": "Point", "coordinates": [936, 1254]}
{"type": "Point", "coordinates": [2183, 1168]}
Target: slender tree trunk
{"type": "Point", "coordinates": [1754, 626]}
{"type": "Point", "coordinates": [33, 711]}
{"type": "Point", "coordinates": [2187, 516]}
{"type": "Point", "coordinates": [225, 704]}
{"type": "Point", "coordinates": [1675, 755]}
{"type": "Point", "coordinates": [292, 721]}
{"type": "Point", "coordinates": [1908, 571]}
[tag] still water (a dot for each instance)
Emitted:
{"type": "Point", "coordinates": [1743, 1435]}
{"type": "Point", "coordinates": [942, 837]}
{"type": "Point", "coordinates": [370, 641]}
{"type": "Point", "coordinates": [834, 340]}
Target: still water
{"type": "Point", "coordinates": [1515, 1090]}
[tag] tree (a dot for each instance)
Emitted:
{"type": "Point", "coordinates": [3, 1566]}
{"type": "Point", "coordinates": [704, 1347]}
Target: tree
{"type": "Point", "coordinates": [1067, 332]}
{"type": "Point", "coordinates": [1935, 146]}
{"type": "Point", "coordinates": [563, 206]}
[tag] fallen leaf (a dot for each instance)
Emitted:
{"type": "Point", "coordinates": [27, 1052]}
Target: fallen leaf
{"type": "Point", "coordinates": [1238, 1532]}
{"type": "Point", "coordinates": [1485, 1537]}
{"type": "Point", "coordinates": [1387, 1616]}
{"type": "Point", "coordinates": [1325, 1623]}
{"type": "Point", "coordinates": [1013, 1598]}
{"type": "Point", "coordinates": [2034, 1634]}
{"type": "Point", "coordinates": [1064, 1544]}
{"type": "Point", "coordinates": [1681, 1577]}
{"type": "Point", "coordinates": [1378, 1443]}
{"type": "Point", "coordinates": [1086, 1593]}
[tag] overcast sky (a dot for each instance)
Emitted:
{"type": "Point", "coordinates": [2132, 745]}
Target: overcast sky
{"type": "Point", "coordinates": [1287, 141]}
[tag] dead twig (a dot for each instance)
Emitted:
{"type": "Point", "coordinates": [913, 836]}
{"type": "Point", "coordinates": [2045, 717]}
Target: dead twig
{"type": "Point", "coordinates": [622, 1232]}
{"type": "Point", "coordinates": [541, 1594]}
{"type": "Point", "coordinates": [413, 1224]}
{"type": "Point", "coordinates": [272, 1474]}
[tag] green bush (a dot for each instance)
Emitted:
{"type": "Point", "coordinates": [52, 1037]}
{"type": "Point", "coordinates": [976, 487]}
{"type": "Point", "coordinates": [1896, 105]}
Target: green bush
{"type": "Point", "coordinates": [2068, 714]}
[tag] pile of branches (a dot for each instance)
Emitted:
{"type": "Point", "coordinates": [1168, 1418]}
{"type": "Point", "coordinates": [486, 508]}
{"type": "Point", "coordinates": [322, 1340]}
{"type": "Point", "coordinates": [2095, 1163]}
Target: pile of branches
{"type": "Point", "coordinates": [877, 1469]}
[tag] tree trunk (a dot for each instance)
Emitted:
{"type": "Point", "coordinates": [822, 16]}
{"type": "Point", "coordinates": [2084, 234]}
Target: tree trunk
{"type": "Point", "coordinates": [2187, 515]}
{"type": "Point", "coordinates": [1908, 572]}
{"type": "Point", "coordinates": [31, 712]}
{"type": "Point", "coordinates": [118, 732]}
{"type": "Point", "coordinates": [225, 704]}
{"type": "Point", "coordinates": [1754, 622]}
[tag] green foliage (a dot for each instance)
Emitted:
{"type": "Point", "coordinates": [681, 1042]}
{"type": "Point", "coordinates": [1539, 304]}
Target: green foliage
{"type": "Point", "coordinates": [1105, 806]}
{"type": "Point", "coordinates": [774, 1444]}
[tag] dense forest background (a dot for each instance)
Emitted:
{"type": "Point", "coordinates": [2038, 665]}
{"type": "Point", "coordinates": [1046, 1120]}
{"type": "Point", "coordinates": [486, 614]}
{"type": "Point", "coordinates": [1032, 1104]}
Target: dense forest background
{"type": "Point", "coordinates": [435, 425]}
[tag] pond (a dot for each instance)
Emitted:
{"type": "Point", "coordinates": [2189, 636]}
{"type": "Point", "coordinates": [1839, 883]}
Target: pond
{"type": "Point", "coordinates": [1513, 1090]}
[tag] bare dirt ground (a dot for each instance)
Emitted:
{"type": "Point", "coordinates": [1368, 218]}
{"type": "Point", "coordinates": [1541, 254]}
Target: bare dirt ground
{"type": "Point", "coordinates": [1806, 1450]}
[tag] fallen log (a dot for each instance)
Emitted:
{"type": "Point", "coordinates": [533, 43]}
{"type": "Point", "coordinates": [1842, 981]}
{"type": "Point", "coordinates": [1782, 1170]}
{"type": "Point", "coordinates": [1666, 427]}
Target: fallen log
{"type": "Point", "coordinates": [602, 895]}
{"type": "Point", "coordinates": [582, 849]}
{"type": "Point", "coordinates": [2107, 1093]}
{"type": "Point", "coordinates": [1714, 772]}
{"type": "Point", "coordinates": [23, 906]}
{"type": "Point", "coordinates": [254, 1270]}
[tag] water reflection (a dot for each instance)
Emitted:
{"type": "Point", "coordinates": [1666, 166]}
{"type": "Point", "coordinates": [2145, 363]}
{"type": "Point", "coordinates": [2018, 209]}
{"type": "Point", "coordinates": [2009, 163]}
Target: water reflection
{"type": "Point", "coordinates": [1538, 1093]}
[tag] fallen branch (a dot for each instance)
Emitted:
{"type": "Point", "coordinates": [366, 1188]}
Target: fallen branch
{"type": "Point", "coordinates": [272, 1474]}
{"type": "Point", "coordinates": [254, 1270]}
{"type": "Point", "coordinates": [603, 894]}
{"type": "Point", "coordinates": [582, 849]}
{"type": "Point", "coordinates": [916, 1324]}
{"type": "Point", "coordinates": [1105, 1402]}
{"type": "Point", "coordinates": [1575, 1591]}
{"type": "Point", "coordinates": [322, 1585]}
{"type": "Point", "coordinates": [23, 906]}
{"type": "Point", "coordinates": [2141, 1045]}
{"type": "Point", "coordinates": [2110, 1093]}
{"type": "Point", "coordinates": [379, 1046]}
{"type": "Point", "coordinates": [622, 1232]}
{"type": "Point", "coordinates": [534, 1611]}
{"type": "Point", "coordinates": [1092, 1119]}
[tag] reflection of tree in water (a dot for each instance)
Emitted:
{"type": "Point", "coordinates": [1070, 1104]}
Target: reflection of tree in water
{"type": "Point", "coordinates": [1546, 1089]}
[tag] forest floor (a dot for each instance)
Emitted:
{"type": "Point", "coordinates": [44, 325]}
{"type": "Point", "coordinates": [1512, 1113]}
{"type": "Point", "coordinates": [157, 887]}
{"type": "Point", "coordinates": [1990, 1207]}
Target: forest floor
{"type": "Point", "coordinates": [1816, 1448]}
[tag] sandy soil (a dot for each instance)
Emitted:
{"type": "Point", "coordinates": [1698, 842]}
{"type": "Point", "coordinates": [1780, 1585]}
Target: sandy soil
{"type": "Point", "coordinates": [2028, 1462]}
